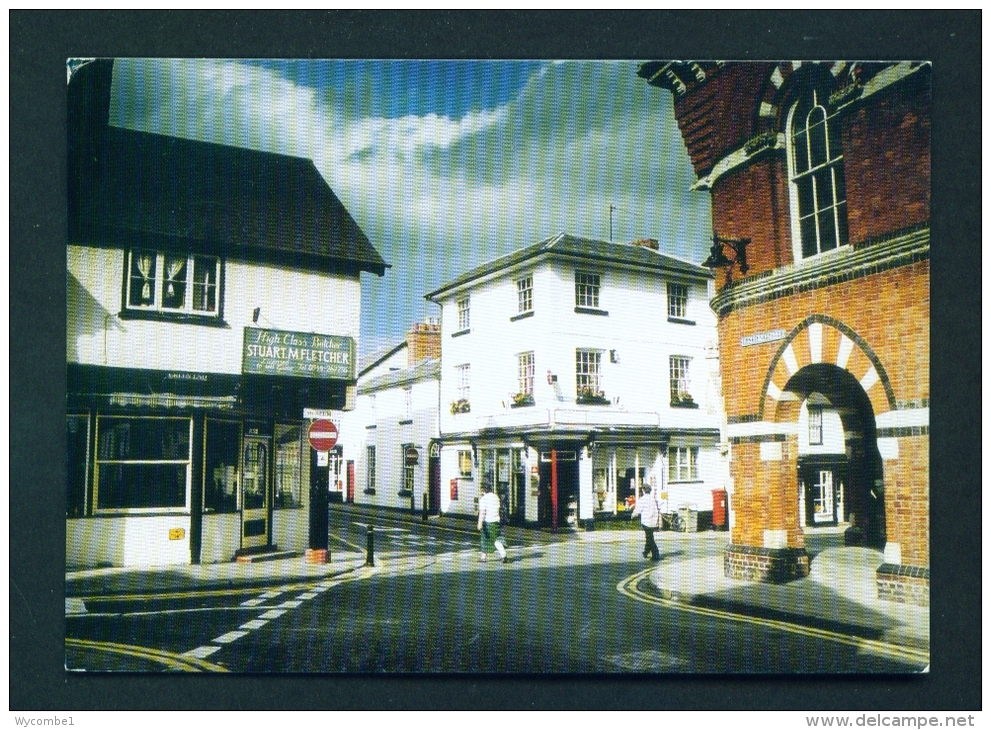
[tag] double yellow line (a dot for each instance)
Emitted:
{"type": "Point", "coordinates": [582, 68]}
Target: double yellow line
{"type": "Point", "coordinates": [628, 587]}
{"type": "Point", "coordinates": [176, 662]}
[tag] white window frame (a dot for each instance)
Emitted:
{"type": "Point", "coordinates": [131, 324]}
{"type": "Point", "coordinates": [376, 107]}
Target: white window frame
{"type": "Point", "coordinates": [587, 287]}
{"type": "Point", "coordinates": [679, 371]}
{"type": "Point", "coordinates": [815, 425]}
{"type": "Point", "coordinates": [463, 381]}
{"type": "Point", "coordinates": [464, 313]}
{"type": "Point", "coordinates": [819, 182]}
{"type": "Point", "coordinates": [677, 300]}
{"type": "Point", "coordinates": [588, 370]}
{"type": "Point", "coordinates": [524, 294]}
{"type": "Point", "coordinates": [525, 372]}
{"type": "Point", "coordinates": [370, 469]}
{"type": "Point", "coordinates": [148, 270]}
{"type": "Point", "coordinates": [683, 464]}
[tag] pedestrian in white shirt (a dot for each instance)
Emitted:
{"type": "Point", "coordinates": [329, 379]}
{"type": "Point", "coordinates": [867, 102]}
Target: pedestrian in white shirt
{"type": "Point", "coordinates": [488, 525]}
{"type": "Point", "coordinates": [650, 519]}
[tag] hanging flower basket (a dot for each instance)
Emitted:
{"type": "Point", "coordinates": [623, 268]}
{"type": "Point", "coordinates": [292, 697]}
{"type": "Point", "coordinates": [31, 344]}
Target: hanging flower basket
{"type": "Point", "coordinates": [460, 406]}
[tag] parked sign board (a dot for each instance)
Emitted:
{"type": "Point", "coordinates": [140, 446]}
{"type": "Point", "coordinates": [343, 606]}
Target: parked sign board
{"type": "Point", "coordinates": [298, 354]}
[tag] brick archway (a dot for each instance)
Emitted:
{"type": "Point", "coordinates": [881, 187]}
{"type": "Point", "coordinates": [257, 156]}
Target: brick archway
{"type": "Point", "coordinates": [823, 339]}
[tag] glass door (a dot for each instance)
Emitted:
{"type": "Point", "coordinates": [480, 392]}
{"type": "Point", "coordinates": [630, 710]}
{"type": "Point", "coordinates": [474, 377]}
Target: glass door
{"type": "Point", "coordinates": [254, 495]}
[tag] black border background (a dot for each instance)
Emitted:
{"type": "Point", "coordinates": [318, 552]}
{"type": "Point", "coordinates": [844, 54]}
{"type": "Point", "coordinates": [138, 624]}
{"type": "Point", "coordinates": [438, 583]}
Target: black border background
{"type": "Point", "coordinates": [41, 41]}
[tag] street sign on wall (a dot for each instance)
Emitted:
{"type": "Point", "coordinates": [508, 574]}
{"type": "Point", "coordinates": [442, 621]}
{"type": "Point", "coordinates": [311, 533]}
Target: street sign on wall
{"type": "Point", "coordinates": [297, 354]}
{"type": "Point", "coordinates": [322, 435]}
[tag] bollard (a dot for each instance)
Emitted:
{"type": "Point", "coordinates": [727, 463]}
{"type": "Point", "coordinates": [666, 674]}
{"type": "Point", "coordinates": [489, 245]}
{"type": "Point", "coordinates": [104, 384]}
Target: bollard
{"type": "Point", "coordinates": [370, 547]}
{"type": "Point", "coordinates": [425, 513]}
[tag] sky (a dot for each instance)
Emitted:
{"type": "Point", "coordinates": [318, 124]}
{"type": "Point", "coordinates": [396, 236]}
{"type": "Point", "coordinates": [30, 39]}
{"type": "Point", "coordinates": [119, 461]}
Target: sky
{"type": "Point", "coordinates": [444, 164]}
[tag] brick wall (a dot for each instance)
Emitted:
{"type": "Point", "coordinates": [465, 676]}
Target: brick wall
{"type": "Point", "coordinates": [895, 326]}
{"type": "Point", "coordinates": [886, 149]}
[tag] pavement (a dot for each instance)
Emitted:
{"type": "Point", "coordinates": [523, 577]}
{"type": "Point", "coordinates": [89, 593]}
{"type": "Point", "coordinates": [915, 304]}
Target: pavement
{"type": "Point", "coordinates": [839, 593]}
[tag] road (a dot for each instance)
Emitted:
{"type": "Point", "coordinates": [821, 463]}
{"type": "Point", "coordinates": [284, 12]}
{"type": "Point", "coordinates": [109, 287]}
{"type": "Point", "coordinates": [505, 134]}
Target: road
{"type": "Point", "coordinates": [561, 605]}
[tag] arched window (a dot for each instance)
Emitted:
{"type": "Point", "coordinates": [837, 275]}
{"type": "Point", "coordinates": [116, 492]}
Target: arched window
{"type": "Point", "coordinates": [816, 168]}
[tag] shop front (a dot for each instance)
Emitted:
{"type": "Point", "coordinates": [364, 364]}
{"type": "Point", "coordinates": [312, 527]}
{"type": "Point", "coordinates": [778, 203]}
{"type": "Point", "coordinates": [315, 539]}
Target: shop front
{"type": "Point", "coordinates": [170, 467]}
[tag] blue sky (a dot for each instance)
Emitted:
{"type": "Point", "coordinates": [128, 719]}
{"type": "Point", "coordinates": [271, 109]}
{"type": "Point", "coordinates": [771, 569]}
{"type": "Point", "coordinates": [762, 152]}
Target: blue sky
{"type": "Point", "coordinates": [444, 164]}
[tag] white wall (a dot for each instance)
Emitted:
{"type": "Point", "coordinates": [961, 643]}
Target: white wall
{"type": "Point", "coordinates": [290, 299]}
{"type": "Point", "coordinates": [636, 329]}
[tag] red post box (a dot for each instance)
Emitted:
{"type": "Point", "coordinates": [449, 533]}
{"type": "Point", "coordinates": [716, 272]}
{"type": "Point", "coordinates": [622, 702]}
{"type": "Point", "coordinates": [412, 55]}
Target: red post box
{"type": "Point", "coordinates": [720, 509]}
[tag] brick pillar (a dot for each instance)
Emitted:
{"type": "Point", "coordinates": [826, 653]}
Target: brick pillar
{"type": "Point", "coordinates": [768, 544]}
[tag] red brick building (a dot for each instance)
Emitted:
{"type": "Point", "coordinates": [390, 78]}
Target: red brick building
{"type": "Point", "coordinates": [819, 175]}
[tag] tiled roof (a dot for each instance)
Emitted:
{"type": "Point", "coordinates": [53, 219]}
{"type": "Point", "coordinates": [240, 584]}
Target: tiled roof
{"type": "Point", "coordinates": [174, 192]}
{"type": "Point", "coordinates": [565, 246]}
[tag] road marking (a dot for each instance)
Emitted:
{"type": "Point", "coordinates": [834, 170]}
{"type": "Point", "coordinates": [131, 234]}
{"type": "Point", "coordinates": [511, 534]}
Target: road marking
{"type": "Point", "coordinates": [183, 662]}
{"type": "Point", "coordinates": [271, 594]}
{"type": "Point", "coordinates": [290, 604]}
{"type": "Point", "coordinates": [274, 613]}
{"type": "Point", "coordinates": [253, 602]}
{"type": "Point", "coordinates": [306, 596]}
{"type": "Point", "coordinates": [202, 651]}
{"type": "Point", "coordinates": [74, 606]}
{"type": "Point", "coordinates": [229, 637]}
{"type": "Point", "coordinates": [255, 623]}
{"type": "Point", "coordinates": [628, 587]}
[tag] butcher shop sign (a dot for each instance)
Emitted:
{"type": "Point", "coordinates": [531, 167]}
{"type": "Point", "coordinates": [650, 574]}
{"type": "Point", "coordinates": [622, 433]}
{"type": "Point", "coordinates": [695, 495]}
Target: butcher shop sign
{"type": "Point", "coordinates": [297, 354]}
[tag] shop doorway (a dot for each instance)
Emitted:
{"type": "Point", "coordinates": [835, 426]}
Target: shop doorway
{"type": "Point", "coordinates": [433, 476]}
{"type": "Point", "coordinates": [254, 492]}
{"type": "Point", "coordinates": [566, 513]}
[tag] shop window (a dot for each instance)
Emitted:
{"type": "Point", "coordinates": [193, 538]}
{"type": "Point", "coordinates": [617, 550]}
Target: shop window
{"type": "Point", "coordinates": [462, 380]}
{"type": "Point", "coordinates": [288, 462]}
{"type": "Point", "coordinates": [524, 294]}
{"type": "Point", "coordinates": [464, 314]}
{"type": "Point", "coordinates": [816, 167]}
{"type": "Point", "coordinates": [142, 463]}
{"type": "Point", "coordinates": [172, 284]}
{"type": "Point", "coordinates": [220, 474]}
{"type": "Point", "coordinates": [370, 470]}
{"type": "Point", "coordinates": [677, 301]}
{"type": "Point", "coordinates": [77, 463]}
{"type": "Point", "coordinates": [587, 290]}
{"type": "Point", "coordinates": [464, 464]}
{"type": "Point", "coordinates": [683, 463]}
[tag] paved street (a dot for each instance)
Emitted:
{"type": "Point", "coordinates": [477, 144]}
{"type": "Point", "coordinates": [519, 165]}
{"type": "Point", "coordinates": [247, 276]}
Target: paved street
{"type": "Point", "coordinates": [563, 603]}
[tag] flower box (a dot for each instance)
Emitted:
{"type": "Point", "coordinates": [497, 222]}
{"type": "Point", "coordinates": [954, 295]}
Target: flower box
{"type": "Point", "coordinates": [521, 400]}
{"type": "Point", "coordinates": [460, 406]}
{"type": "Point", "coordinates": [590, 397]}
{"type": "Point", "coordinates": [683, 401]}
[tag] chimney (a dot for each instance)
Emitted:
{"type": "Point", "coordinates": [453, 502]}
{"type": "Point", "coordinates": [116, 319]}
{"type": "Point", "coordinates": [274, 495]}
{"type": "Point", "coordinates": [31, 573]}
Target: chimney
{"type": "Point", "coordinates": [650, 243]}
{"type": "Point", "coordinates": [422, 342]}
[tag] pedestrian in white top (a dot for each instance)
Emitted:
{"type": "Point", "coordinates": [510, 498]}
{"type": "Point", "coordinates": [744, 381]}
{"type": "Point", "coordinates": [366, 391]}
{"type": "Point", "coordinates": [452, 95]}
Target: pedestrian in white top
{"type": "Point", "coordinates": [650, 517]}
{"type": "Point", "coordinates": [488, 525]}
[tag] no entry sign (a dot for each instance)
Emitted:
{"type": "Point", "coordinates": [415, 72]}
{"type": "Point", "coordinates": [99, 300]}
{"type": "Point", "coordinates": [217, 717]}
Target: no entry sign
{"type": "Point", "coordinates": [322, 435]}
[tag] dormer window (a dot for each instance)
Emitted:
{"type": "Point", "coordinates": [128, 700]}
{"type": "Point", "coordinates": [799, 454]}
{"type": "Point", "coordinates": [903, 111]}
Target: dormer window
{"type": "Point", "coordinates": [172, 283]}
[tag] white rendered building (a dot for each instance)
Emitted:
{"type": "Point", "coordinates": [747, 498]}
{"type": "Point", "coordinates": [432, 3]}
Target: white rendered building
{"type": "Point", "coordinates": [572, 372]}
